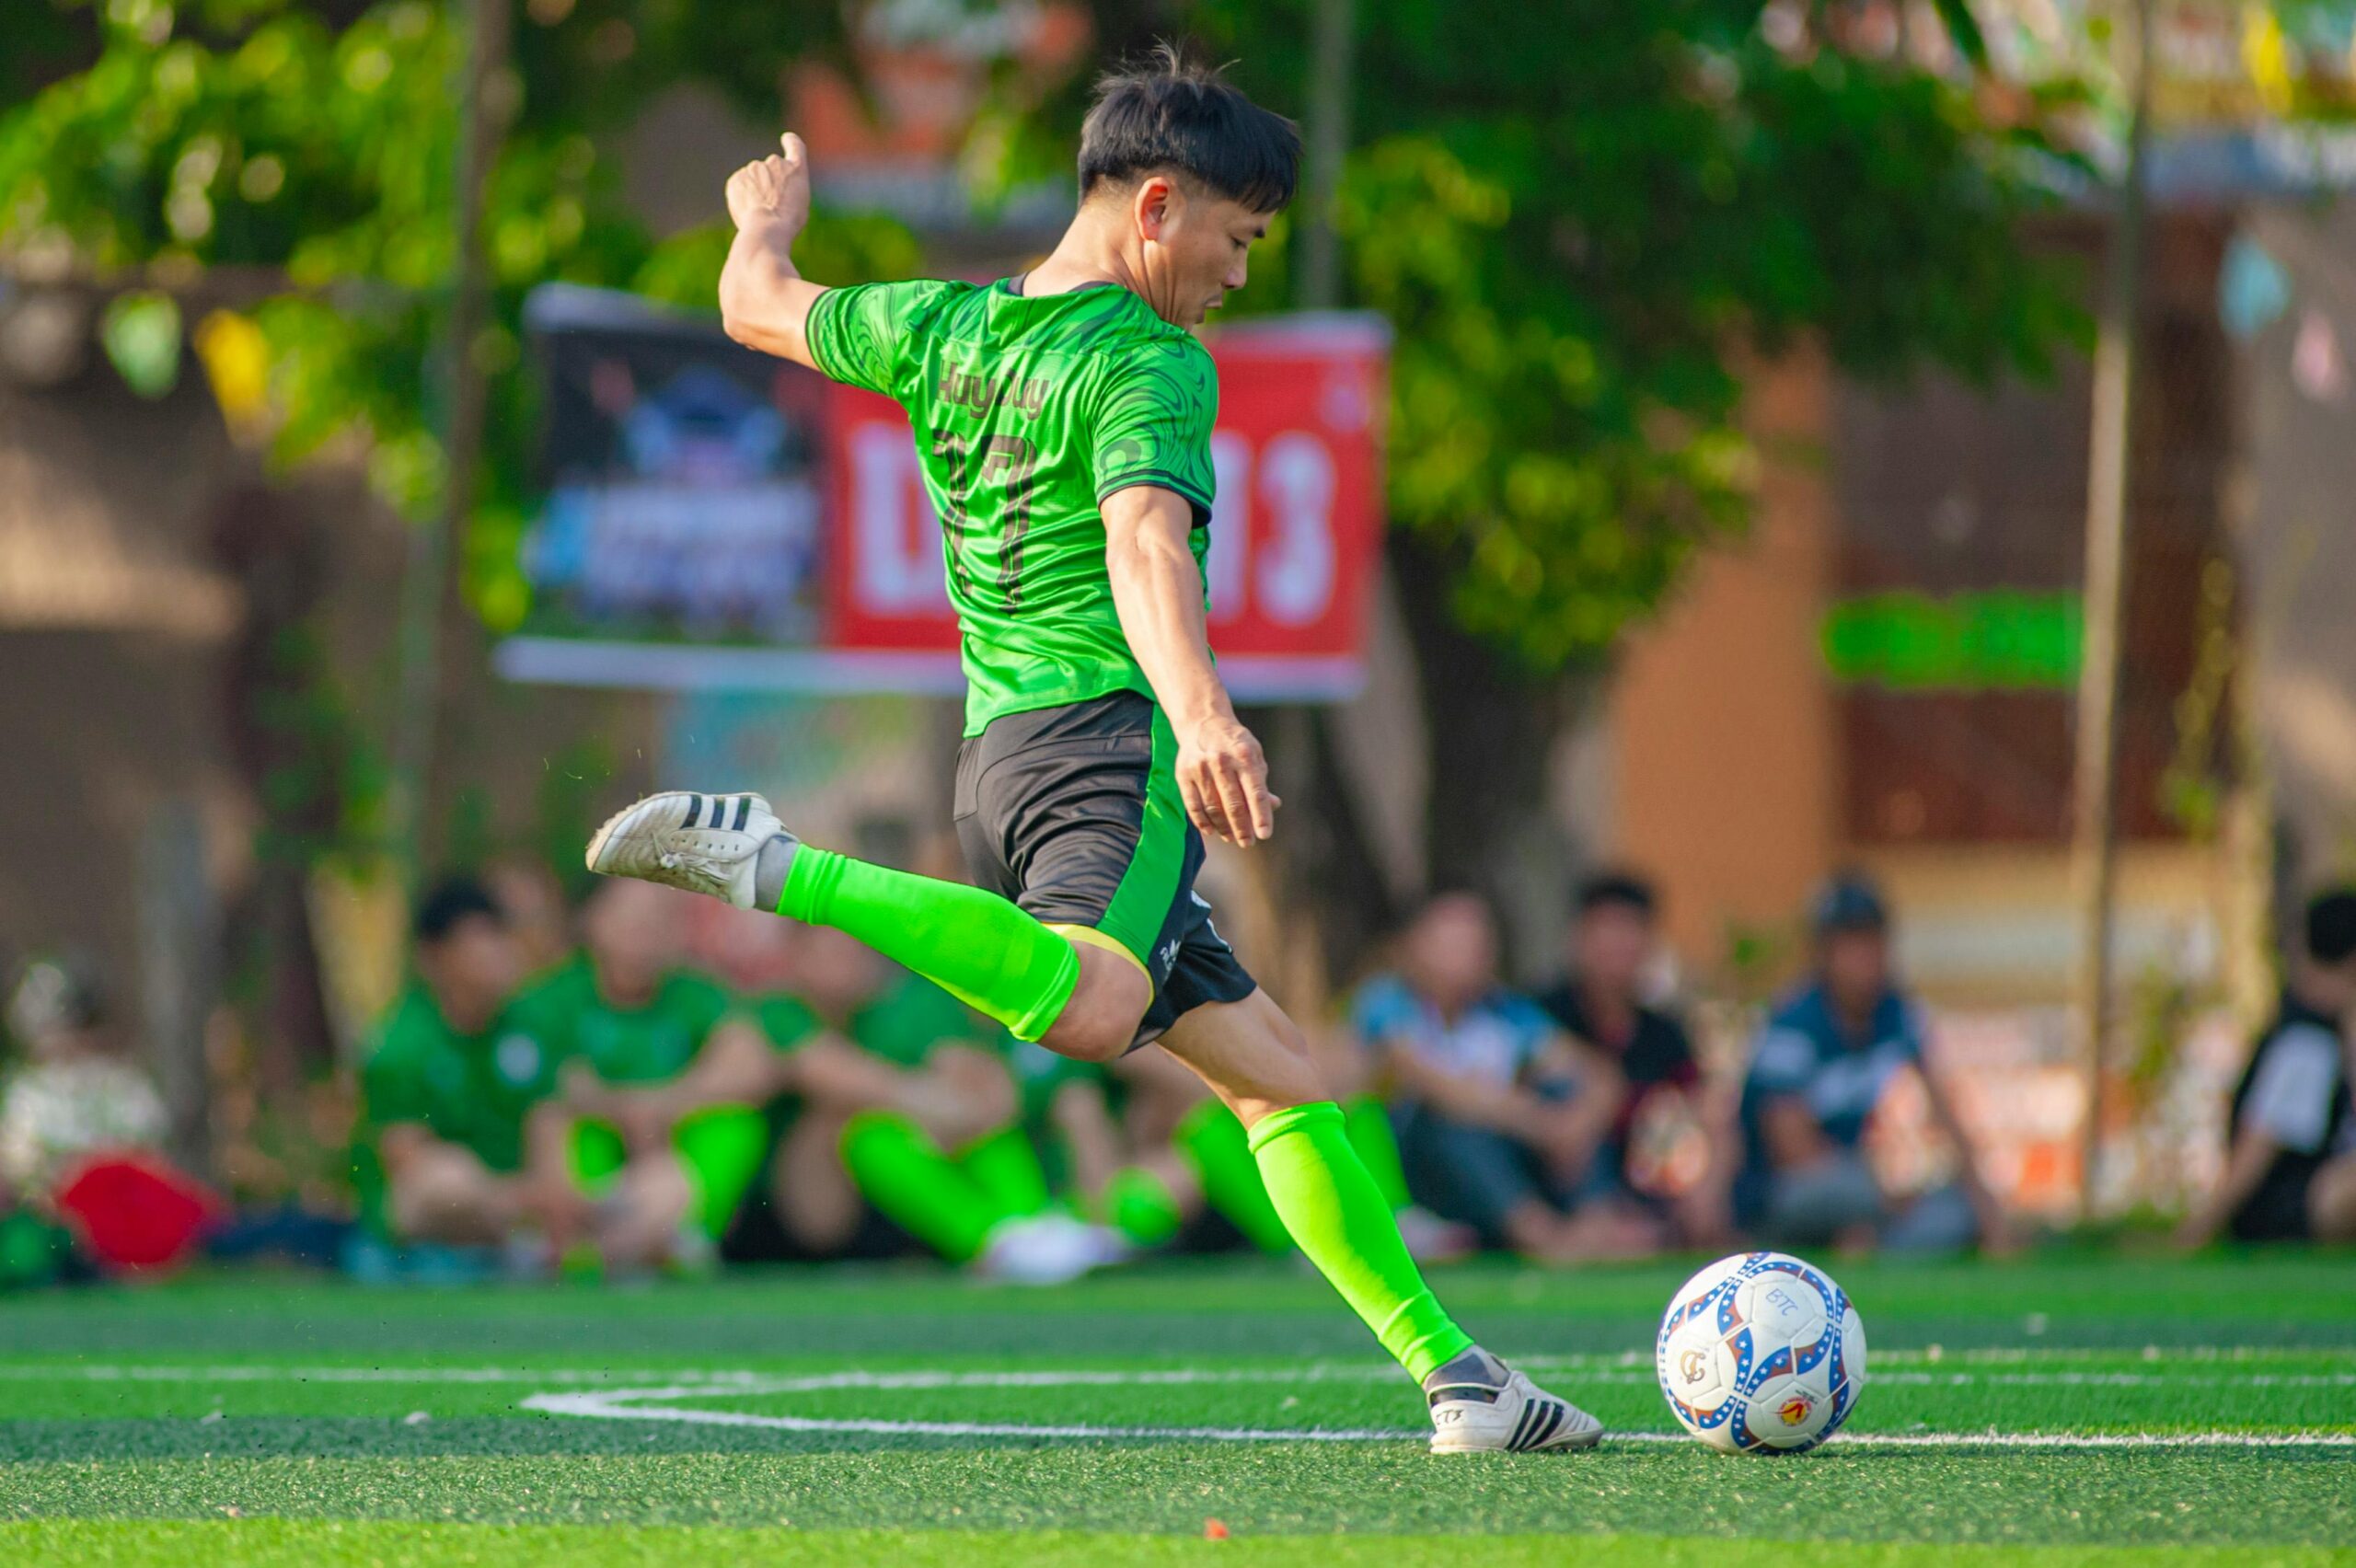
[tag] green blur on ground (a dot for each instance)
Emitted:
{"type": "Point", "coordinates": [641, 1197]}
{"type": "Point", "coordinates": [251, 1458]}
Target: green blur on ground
{"type": "Point", "coordinates": [282, 1420]}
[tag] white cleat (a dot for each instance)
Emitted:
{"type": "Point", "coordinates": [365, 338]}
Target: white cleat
{"type": "Point", "coordinates": [1518, 1418]}
{"type": "Point", "coordinates": [709, 844]}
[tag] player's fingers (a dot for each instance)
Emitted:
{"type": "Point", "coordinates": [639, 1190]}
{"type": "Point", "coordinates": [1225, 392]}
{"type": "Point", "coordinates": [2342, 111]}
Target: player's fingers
{"type": "Point", "coordinates": [1235, 803]}
{"type": "Point", "coordinates": [1263, 806]}
{"type": "Point", "coordinates": [1190, 795]}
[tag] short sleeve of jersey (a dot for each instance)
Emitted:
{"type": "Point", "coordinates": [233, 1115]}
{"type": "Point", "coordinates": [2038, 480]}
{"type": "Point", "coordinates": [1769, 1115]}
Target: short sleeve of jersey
{"type": "Point", "coordinates": [786, 1022]}
{"type": "Point", "coordinates": [2289, 1100]}
{"type": "Point", "coordinates": [1530, 1024]}
{"type": "Point", "coordinates": [392, 1081]}
{"type": "Point", "coordinates": [1383, 1009]}
{"type": "Point", "coordinates": [867, 335]}
{"type": "Point", "coordinates": [1783, 1061]}
{"type": "Point", "coordinates": [1153, 423]}
{"type": "Point", "coordinates": [698, 1003]}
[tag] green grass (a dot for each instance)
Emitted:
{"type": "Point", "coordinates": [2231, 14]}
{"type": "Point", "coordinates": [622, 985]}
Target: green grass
{"type": "Point", "coordinates": [277, 1420]}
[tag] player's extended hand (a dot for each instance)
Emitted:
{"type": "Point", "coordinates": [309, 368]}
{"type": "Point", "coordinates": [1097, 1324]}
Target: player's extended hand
{"type": "Point", "coordinates": [774, 191]}
{"type": "Point", "coordinates": [1223, 779]}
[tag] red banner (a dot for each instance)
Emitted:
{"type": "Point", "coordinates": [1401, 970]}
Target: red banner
{"type": "Point", "coordinates": [1297, 451]}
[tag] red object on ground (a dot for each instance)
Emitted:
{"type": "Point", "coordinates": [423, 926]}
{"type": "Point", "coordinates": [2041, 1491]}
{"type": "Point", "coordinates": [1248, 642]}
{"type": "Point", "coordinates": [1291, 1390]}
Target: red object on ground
{"type": "Point", "coordinates": [1214, 1530]}
{"type": "Point", "coordinates": [132, 1212]}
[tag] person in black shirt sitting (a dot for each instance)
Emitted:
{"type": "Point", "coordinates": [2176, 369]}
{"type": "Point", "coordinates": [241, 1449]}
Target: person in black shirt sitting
{"type": "Point", "coordinates": [2291, 1169]}
{"type": "Point", "coordinates": [1664, 1168]}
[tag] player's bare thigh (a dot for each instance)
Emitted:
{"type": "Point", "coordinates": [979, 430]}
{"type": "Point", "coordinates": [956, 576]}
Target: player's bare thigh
{"type": "Point", "coordinates": [1252, 1057]}
{"type": "Point", "coordinates": [1101, 1019]}
{"type": "Point", "coordinates": [2331, 1201]}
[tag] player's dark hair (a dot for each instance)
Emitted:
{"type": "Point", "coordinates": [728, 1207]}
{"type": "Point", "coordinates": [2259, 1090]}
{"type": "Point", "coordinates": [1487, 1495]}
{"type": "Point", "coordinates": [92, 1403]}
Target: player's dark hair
{"type": "Point", "coordinates": [450, 903]}
{"type": "Point", "coordinates": [1169, 114]}
{"type": "Point", "coordinates": [1617, 889]}
{"type": "Point", "coordinates": [2331, 926]}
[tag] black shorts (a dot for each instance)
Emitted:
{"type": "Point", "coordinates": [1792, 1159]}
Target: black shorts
{"type": "Point", "coordinates": [2277, 1210]}
{"type": "Point", "coordinates": [1073, 812]}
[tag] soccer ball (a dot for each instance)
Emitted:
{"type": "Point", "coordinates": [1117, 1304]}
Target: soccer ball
{"type": "Point", "coordinates": [1760, 1353]}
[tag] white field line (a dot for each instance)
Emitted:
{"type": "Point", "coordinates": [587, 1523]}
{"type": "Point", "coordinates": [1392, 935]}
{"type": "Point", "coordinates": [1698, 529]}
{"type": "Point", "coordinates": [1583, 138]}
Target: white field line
{"type": "Point", "coordinates": [629, 1405]}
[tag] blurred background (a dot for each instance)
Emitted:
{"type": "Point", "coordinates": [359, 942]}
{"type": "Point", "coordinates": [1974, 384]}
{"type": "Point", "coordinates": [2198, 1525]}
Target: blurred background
{"type": "Point", "coordinates": [1738, 443]}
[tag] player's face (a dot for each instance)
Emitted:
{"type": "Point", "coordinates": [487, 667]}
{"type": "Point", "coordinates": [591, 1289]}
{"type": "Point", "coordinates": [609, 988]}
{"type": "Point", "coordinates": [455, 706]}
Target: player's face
{"type": "Point", "coordinates": [633, 932]}
{"type": "Point", "coordinates": [1198, 251]}
{"type": "Point", "coordinates": [471, 970]}
{"type": "Point", "coordinates": [1856, 967]}
{"type": "Point", "coordinates": [1610, 946]}
{"type": "Point", "coordinates": [1452, 951]}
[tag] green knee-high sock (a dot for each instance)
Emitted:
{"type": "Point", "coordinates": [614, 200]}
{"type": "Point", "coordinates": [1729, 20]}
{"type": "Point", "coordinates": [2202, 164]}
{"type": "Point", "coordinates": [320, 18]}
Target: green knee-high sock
{"type": "Point", "coordinates": [902, 1173]}
{"type": "Point", "coordinates": [1334, 1211]}
{"type": "Point", "coordinates": [1006, 1168]}
{"type": "Point", "coordinates": [1214, 1145]}
{"type": "Point", "coordinates": [980, 949]}
{"type": "Point", "coordinates": [1378, 1149]}
{"type": "Point", "coordinates": [1140, 1204]}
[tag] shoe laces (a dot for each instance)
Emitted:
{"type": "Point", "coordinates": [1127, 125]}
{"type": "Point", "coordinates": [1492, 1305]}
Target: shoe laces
{"type": "Point", "coordinates": [700, 867]}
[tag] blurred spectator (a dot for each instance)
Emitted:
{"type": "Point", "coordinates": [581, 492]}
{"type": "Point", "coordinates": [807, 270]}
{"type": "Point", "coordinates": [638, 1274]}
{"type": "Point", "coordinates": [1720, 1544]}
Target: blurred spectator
{"type": "Point", "coordinates": [81, 1131]}
{"type": "Point", "coordinates": [1499, 1120]}
{"type": "Point", "coordinates": [660, 1082]}
{"type": "Point", "coordinates": [1817, 1074]}
{"type": "Point", "coordinates": [1648, 1066]}
{"type": "Point", "coordinates": [533, 900]}
{"type": "Point", "coordinates": [2291, 1172]}
{"type": "Point", "coordinates": [905, 1107]}
{"type": "Point", "coordinates": [75, 1096]}
{"type": "Point", "coordinates": [450, 1087]}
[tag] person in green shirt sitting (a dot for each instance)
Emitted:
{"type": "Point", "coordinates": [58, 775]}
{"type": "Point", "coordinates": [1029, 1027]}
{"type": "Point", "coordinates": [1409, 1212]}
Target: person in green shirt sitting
{"type": "Point", "coordinates": [904, 1102]}
{"type": "Point", "coordinates": [450, 1088]}
{"type": "Point", "coordinates": [660, 1084]}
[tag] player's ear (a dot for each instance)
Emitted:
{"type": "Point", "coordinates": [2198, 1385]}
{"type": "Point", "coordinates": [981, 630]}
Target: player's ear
{"type": "Point", "coordinates": [1151, 205]}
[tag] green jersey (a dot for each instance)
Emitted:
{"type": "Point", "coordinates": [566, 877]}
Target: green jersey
{"type": "Point", "coordinates": [474, 1090]}
{"type": "Point", "coordinates": [651, 1043]}
{"type": "Point", "coordinates": [1028, 413]}
{"type": "Point", "coordinates": [904, 1023]}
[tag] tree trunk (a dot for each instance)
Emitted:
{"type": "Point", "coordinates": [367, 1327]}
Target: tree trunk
{"type": "Point", "coordinates": [1494, 730]}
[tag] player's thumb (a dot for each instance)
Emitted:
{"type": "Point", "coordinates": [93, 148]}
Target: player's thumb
{"type": "Point", "coordinates": [794, 151]}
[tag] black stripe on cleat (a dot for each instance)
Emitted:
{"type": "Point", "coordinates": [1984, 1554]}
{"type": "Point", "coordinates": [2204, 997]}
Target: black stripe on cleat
{"type": "Point", "coordinates": [743, 811]}
{"type": "Point", "coordinates": [1546, 1428]}
{"type": "Point", "coordinates": [694, 811]}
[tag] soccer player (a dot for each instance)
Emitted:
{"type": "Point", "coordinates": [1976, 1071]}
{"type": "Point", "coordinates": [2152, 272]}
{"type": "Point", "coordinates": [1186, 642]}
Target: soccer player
{"type": "Point", "coordinates": [1063, 421]}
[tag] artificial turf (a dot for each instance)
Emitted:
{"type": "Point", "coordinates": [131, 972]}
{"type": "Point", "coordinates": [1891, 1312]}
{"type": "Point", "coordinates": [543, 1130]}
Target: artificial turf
{"type": "Point", "coordinates": [270, 1419]}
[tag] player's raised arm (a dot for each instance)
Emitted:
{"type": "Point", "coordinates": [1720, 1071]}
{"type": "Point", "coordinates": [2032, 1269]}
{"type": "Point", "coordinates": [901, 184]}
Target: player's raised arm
{"type": "Point", "coordinates": [764, 301]}
{"type": "Point", "coordinates": [1158, 588]}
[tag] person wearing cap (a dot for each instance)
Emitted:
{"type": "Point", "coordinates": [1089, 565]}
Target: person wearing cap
{"type": "Point", "coordinates": [2291, 1172]}
{"type": "Point", "coordinates": [1818, 1071]}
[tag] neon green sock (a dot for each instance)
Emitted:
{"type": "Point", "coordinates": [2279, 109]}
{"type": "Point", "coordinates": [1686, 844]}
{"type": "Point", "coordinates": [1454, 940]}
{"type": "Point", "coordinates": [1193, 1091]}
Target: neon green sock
{"type": "Point", "coordinates": [902, 1173]}
{"type": "Point", "coordinates": [1214, 1143]}
{"type": "Point", "coordinates": [1336, 1212]}
{"type": "Point", "coordinates": [980, 949]}
{"type": "Point", "coordinates": [1006, 1168]}
{"type": "Point", "coordinates": [1378, 1149]}
{"type": "Point", "coordinates": [721, 1147]}
{"type": "Point", "coordinates": [1140, 1204]}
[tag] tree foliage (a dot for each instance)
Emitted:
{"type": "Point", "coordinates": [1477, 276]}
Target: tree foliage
{"type": "Point", "coordinates": [298, 160]}
{"type": "Point", "coordinates": [1583, 225]}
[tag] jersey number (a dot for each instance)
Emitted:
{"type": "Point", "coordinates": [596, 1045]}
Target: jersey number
{"type": "Point", "coordinates": [1009, 463]}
